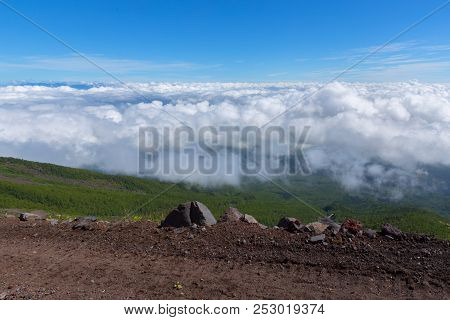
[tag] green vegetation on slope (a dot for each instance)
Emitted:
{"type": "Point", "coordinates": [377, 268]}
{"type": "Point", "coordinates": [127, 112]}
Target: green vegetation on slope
{"type": "Point", "coordinates": [73, 192]}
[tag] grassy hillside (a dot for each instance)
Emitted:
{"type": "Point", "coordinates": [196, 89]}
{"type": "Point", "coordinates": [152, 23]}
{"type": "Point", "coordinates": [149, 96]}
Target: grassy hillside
{"type": "Point", "coordinates": [72, 192]}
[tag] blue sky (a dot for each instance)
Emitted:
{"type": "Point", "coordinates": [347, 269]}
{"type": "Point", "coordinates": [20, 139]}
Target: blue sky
{"type": "Point", "coordinates": [224, 40]}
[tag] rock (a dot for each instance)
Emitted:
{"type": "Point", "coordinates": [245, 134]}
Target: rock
{"type": "Point", "coordinates": [316, 227]}
{"type": "Point", "coordinates": [320, 237]}
{"type": "Point", "coordinates": [33, 215]}
{"type": "Point", "coordinates": [187, 214]}
{"type": "Point", "coordinates": [178, 230]}
{"type": "Point", "coordinates": [12, 213]}
{"type": "Point", "coordinates": [3, 295]}
{"type": "Point", "coordinates": [40, 213]}
{"type": "Point", "coordinates": [372, 234]}
{"type": "Point", "coordinates": [53, 222]}
{"type": "Point", "coordinates": [332, 225]}
{"type": "Point", "coordinates": [84, 223]}
{"type": "Point", "coordinates": [179, 217]}
{"type": "Point", "coordinates": [328, 220]}
{"type": "Point", "coordinates": [391, 231]}
{"type": "Point", "coordinates": [249, 219]}
{"type": "Point", "coordinates": [352, 226]}
{"type": "Point", "coordinates": [231, 215]}
{"type": "Point", "coordinates": [201, 215]}
{"type": "Point", "coordinates": [86, 218]}
{"type": "Point", "coordinates": [290, 224]}
{"type": "Point", "coordinates": [335, 227]}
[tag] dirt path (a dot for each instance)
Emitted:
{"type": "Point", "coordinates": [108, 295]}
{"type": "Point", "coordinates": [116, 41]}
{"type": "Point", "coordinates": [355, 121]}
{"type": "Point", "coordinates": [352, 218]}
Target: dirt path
{"type": "Point", "coordinates": [227, 261]}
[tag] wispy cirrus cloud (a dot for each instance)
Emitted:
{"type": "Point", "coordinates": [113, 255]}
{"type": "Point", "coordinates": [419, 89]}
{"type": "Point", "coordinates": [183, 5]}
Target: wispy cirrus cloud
{"type": "Point", "coordinates": [74, 63]}
{"type": "Point", "coordinates": [277, 74]}
{"type": "Point", "coordinates": [395, 62]}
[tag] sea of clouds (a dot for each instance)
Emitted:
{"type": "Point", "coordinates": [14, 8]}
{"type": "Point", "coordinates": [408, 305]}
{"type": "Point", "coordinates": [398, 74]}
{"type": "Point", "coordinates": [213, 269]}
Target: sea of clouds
{"type": "Point", "coordinates": [361, 134]}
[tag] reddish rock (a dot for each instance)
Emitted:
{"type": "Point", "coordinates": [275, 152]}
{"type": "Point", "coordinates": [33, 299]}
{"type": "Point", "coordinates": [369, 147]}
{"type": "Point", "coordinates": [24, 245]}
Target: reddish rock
{"type": "Point", "coordinates": [352, 226]}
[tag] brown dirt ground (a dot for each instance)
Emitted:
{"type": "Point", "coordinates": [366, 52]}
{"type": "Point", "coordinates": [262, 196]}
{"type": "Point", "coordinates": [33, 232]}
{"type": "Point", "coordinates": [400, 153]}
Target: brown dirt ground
{"type": "Point", "coordinates": [136, 260]}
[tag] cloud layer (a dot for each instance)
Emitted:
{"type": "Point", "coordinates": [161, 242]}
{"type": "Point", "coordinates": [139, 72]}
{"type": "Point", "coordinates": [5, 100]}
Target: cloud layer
{"type": "Point", "coordinates": [362, 134]}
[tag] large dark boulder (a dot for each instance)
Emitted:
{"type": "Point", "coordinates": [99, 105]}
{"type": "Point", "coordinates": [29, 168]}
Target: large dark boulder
{"type": "Point", "coordinates": [186, 214]}
{"type": "Point", "coordinates": [201, 215]}
{"type": "Point", "coordinates": [179, 217]}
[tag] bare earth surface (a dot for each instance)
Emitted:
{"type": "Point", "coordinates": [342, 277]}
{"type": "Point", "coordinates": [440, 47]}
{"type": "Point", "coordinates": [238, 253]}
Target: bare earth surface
{"type": "Point", "coordinates": [136, 260]}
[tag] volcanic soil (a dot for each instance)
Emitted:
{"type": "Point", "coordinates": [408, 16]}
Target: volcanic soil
{"type": "Point", "coordinates": [233, 260]}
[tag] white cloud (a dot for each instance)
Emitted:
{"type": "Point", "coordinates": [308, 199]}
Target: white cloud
{"type": "Point", "coordinates": [364, 134]}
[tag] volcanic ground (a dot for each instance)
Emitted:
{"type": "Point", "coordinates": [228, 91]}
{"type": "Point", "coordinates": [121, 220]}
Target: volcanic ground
{"type": "Point", "coordinates": [233, 260]}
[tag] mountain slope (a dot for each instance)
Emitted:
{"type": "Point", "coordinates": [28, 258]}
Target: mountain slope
{"type": "Point", "coordinates": [73, 192]}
